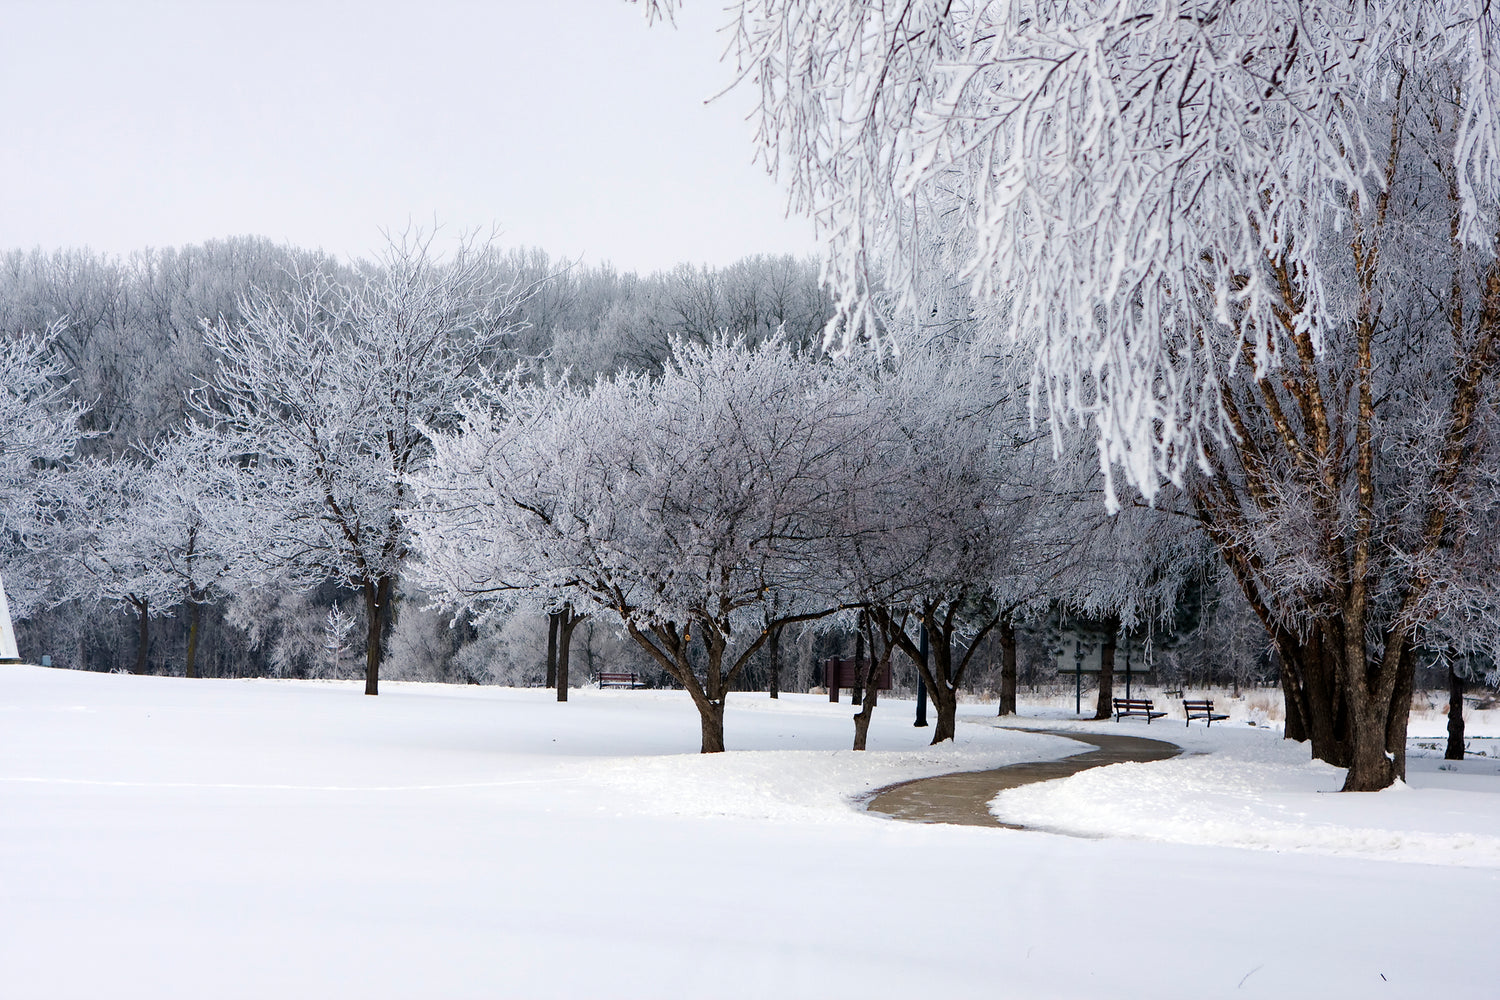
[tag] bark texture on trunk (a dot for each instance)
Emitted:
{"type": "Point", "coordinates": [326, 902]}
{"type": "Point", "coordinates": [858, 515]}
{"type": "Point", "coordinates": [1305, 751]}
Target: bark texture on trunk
{"type": "Point", "coordinates": [857, 696]}
{"type": "Point", "coordinates": [880, 655]}
{"type": "Point", "coordinates": [378, 620]}
{"type": "Point", "coordinates": [552, 648]}
{"type": "Point", "coordinates": [711, 723]}
{"type": "Point", "coordinates": [940, 670]}
{"type": "Point", "coordinates": [1455, 748]}
{"type": "Point", "coordinates": [1305, 440]}
{"type": "Point", "coordinates": [773, 639]}
{"type": "Point", "coordinates": [195, 619]}
{"type": "Point", "coordinates": [565, 626]}
{"type": "Point", "coordinates": [1104, 705]}
{"type": "Point", "coordinates": [1007, 630]}
{"type": "Point", "coordinates": [143, 642]}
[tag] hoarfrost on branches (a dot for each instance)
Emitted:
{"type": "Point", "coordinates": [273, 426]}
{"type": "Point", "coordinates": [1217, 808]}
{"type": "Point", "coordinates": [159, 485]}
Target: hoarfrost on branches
{"type": "Point", "coordinates": [1118, 175]}
{"type": "Point", "coordinates": [325, 388]}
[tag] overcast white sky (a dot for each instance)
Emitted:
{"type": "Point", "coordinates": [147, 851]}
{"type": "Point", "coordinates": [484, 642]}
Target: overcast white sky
{"type": "Point", "coordinates": [567, 123]}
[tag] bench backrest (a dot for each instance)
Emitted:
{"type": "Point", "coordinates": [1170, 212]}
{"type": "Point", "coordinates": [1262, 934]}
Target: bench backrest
{"type": "Point", "coordinates": [1205, 705]}
{"type": "Point", "coordinates": [1130, 703]}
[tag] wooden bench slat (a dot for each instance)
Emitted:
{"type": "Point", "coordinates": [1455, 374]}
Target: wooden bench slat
{"type": "Point", "coordinates": [619, 679]}
{"type": "Point", "coordinates": [1133, 707]}
{"type": "Point", "coordinates": [1201, 708]}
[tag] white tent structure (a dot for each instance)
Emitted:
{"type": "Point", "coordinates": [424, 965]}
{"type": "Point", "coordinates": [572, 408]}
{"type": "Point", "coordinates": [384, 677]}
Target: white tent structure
{"type": "Point", "coordinates": [8, 651]}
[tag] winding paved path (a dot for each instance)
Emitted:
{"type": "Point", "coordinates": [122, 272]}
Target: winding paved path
{"type": "Point", "coordinates": [964, 798]}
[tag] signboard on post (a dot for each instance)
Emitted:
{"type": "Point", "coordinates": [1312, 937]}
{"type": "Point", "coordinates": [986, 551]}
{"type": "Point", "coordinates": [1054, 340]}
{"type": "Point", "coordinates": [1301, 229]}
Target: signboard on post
{"type": "Point", "coordinates": [844, 672]}
{"type": "Point", "coordinates": [1079, 655]}
{"type": "Point", "coordinates": [8, 651]}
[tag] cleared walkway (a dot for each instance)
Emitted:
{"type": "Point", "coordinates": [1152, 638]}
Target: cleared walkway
{"type": "Point", "coordinates": [964, 798]}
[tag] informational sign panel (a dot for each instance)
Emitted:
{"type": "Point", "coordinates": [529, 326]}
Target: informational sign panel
{"type": "Point", "coordinates": [1078, 654]}
{"type": "Point", "coordinates": [8, 651]}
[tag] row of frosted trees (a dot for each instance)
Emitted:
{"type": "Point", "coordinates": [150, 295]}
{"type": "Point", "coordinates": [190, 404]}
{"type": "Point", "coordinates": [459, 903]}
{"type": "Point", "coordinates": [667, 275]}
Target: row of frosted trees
{"type": "Point", "coordinates": [745, 489]}
{"type": "Point", "coordinates": [129, 510]}
{"type": "Point", "coordinates": [364, 425]}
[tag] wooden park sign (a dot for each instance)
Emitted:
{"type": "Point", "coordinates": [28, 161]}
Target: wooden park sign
{"type": "Point", "coordinates": [845, 672]}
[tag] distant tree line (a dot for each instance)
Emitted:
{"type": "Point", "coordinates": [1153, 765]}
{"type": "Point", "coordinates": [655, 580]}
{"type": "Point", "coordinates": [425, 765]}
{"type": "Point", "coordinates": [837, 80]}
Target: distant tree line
{"type": "Point", "coordinates": [438, 465]}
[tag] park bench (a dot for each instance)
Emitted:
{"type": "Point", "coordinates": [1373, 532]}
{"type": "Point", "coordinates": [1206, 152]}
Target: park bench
{"type": "Point", "coordinates": [1200, 708]}
{"type": "Point", "coordinates": [629, 679]}
{"type": "Point", "coordinates": [1142, 707]}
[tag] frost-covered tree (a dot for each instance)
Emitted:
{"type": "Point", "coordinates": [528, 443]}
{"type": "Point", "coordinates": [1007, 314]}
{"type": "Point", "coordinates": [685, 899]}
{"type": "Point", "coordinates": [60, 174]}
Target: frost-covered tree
{"type": "Point", "coordinates": [192, 535]}
{"type": "Point", "coordinates": [325, 388]}
{"type": "Point", "coordinates": [675, 505]}
{"type": "Point", "coordinates": [928, 521]}
{"type": "Point", "coordinates": [1253, 243]}
{"type": "Point", "coordinates": [121, 557]}
{"type": "Point", "coordinates": [41, 425]}
{"type": "Point", "coordinates": [1354, 500]}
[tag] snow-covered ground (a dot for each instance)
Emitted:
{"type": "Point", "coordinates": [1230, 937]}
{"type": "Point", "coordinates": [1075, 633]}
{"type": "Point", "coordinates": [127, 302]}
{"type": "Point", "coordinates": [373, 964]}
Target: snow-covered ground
{"type": "Point", "coordinates": [161, 837]}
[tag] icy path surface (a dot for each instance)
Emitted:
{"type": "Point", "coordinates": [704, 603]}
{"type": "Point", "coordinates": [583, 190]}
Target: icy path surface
{"type": "Point", "coordinates": [168, 838]}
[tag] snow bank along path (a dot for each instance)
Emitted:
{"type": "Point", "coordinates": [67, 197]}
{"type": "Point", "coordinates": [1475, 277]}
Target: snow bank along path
{"type": "Point", "coordinates": [964, 798]}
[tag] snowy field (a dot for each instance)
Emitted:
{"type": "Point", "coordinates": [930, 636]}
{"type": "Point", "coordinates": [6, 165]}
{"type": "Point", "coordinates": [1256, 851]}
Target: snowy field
{"type": "Point", "coordinates": [161, 837]}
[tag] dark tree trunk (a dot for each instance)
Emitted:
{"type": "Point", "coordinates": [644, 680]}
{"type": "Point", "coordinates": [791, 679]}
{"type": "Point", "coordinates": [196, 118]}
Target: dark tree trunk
{"type": "Point", "coordinates": [143, 609]}
{"type": "Point", "coordinates": [566, 623]}
{"type": "Point", "coordinates": [773, 669]}
{"type": "Point", "coordinates": [1007, 631]}
{"type": "Point", "coordinates": [867, 679]}
{"type": "Point", "coordinates": [378, 620]}
{"type": "Point", "coordinates": [195, 618]}
{"type": "Point", "coordinates": [1400, 712]}
{"type": "Point", "coordinates": [552, 620]}
{"type": "Point", "coordinates": [857, 696]}
{"type": "Point", "coordinates": [1455, 750]}
{"type": "Point", "coordinates": [668, 644]}
{"type": "Point", "coordinates": [866, 712]}
{"type": "Point", "coordinates": [1104, 706]}
{"type": "Point", "coordinates": [711, 719]}
{"type": "Point", "coordinates": [1317, 709]}
{"type": "Point", "coordinates": [939, 672]}
{"type": "Point", "coordinates": [870, 683]}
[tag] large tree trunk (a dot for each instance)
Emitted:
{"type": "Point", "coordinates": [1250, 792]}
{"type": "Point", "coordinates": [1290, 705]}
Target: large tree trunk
{"type": "Point", "coordinates": [1104, 705]}
{"type": "Point", "coordinates": [552, 620]}
{"type": "Point", "coordinates": [143, 609]}
{"type": "Point", "coordinates": [195, 618]}
{"type": "Point", "coordinates": [668, 646]}
{"type": "Point", "coordinates": [566, 623]}
{"type": "Point", "coordinates": [711, 719]}
{"type": "Point", "coordinates": [1317, 709]}
{"type": "Point", "coordinates": [378, 620]}
{"type": "Point", "coordinates": [1455, 749]}
{"type": "Point", "coordinates": [867, 679]}
{"type": "Point", "coordinates": [940, 674]}
{"type": "Point", "coordinates": [945, 706]}
{"type": "Point", "coordinates": [865, 714]}
{"type": "Point", "coordinates": [937, 672]}
{"type": "Point", "coordinates": [1370, 770]}
{"type": "Point", "coordinates": [1007, 631]}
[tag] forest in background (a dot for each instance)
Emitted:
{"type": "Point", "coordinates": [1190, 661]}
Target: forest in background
{"type": "Point", "coordinates": [130, 334]}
